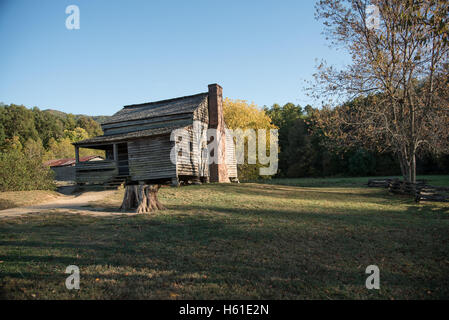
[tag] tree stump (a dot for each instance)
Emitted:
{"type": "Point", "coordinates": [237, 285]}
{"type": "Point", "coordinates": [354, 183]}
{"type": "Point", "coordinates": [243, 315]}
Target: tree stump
{"type": "Point", "coordinates": [141, 198]}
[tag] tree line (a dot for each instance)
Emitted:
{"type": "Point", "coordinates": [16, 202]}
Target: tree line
{"type": "Point", "coordinates": [28, 137]}
{"type": "Point", "coordinates": [51, 129]}
{"type": "Point", "coordinates": [307, 149]}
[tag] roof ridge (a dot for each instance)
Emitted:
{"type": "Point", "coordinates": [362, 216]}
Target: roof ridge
{"type": "Point", "coordinates": [165, 100]}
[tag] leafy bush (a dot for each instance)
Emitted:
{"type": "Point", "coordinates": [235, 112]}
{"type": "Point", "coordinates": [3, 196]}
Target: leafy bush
{"type": "Point", "coordinates": [20, 171]}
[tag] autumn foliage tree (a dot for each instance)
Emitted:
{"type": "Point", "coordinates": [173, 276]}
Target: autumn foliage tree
{"type": "Point", "coordinates": [239, 114]}
{"type": "Point", "coordinates": [398, 81]}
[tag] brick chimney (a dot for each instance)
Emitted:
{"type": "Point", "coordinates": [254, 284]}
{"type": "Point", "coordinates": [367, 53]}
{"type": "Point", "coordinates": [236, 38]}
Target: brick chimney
{"type": "Point", "coordinates": [217, 172]}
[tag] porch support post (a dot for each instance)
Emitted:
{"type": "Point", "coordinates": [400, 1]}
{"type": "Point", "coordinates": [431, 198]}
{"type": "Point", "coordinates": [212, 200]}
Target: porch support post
{"type": "Point", "coordinates": [115, 153]}
{"type": "Point", "coordinates": [175, 182]}
{"type": "Point", "coordinates": [77, 154]}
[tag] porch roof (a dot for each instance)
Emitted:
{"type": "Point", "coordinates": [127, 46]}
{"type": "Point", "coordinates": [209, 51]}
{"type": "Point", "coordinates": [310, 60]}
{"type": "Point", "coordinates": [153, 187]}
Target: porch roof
{"type": "Point", "coordinates": [109, 139]}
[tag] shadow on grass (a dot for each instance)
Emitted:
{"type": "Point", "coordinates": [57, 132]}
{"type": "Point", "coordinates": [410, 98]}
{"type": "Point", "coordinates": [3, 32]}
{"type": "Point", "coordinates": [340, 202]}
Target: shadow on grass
{"type": "Point", "coordinates": [6, 204]}
{"type": "Point", "coordinates": [228, 253]}
{"type": "Point", "coordinates": [427, 208]}
{"type": "Point", "coordinates": [348, 182]}
{"type": "Point", "coordinates": [318, 182]}
{"type": "Point", "coordinates": [320, 283]}
{"type": "Point", "coordinates": [295, 192]}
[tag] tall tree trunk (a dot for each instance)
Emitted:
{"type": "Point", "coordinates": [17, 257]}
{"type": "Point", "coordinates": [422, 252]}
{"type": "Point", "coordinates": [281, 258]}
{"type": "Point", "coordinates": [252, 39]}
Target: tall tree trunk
{"type": "Point", "coordinates": [141, 198]}
{"type": "Point", "coordinates": [402, 165]}
{"type": "Point", "coordinates": [405, 167]}
{"type": "Point", "coordinates": [413, 168]}
{"type": "Point", "coordinates": [407, 161]}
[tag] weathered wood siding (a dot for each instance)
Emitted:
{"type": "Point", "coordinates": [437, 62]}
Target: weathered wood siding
{"type": "Point", "coordinates": [192, 163]}
{"type": "Point", "coordinates": [95, 171]}
{"type": "Point", "coordinates": [201, 121]}
{"type": "Point", "coordinates": [231, 161]}
{"type": "Point", "coordinates": [185, 161]}
{"type": "Point", "coordinates": [203, 165]}
{"type": "Point", "coordinates": [202, 112]}
{"type": "Point", "coordinates": [122, 161]}
{"type": "Point", "coordinates": [66, 173]}
{"type": "Point", "coordinates": [149, 158]}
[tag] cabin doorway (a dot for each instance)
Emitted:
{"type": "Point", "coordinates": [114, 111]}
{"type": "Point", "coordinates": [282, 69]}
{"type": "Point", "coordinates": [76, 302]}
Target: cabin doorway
{"type": "Point", "coordinates": [123, 164]}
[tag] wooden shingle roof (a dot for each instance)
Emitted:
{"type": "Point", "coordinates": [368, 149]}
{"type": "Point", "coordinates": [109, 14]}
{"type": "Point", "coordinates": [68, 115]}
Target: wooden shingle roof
{"type": "Point", "coordinates": [165, 116]}
{"type": "Point", "coordinates": [186, 104]}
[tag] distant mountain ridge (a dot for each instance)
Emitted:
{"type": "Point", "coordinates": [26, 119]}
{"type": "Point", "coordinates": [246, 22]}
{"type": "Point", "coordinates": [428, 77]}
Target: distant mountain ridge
{"type": "Point", "coordinates": [99, 119]}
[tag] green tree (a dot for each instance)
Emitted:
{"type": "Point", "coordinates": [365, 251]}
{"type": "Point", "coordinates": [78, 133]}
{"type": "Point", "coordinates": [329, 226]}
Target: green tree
{"type": "Point", "coordinates": [76, 134]}
{"type": "Point", "coordinates": [285, 118]}
{"type": "Point", "coordinates": [18, 121]}
{"type": "Point", "coordinates": [400, 65]}
{"type": "Point", "coordinates": [300, 153]}
{"type": "Point", "coordinates": [48, 126]}
{"type": "Point", "coordinates": [92, 127]}
{"type": "Point", "coordinates": [59, 149]}
{"type": "Point", "coordinates": [33, 149]}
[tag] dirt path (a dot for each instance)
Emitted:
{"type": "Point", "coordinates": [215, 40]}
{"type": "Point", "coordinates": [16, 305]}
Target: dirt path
{"type": "Point", "coordinates": [72, 204]}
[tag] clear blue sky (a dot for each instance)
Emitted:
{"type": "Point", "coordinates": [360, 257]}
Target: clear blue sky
{"type": "Point", "coordinates": [128, 52]}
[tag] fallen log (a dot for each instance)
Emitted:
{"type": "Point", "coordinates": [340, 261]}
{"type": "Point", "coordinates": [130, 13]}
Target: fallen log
{"type": "Point", "coordinates": [402, 187]}
{"type": "Point", "coordinates": [435, 198]}
{"type": "Point", "coordinates": [420, 190]}
{"type": "Point", "coordinates": [141, 198]}
{"type": "Point", "coordinates": [380, 183]}
{"type": "Point", "coordinates": [432, 193]}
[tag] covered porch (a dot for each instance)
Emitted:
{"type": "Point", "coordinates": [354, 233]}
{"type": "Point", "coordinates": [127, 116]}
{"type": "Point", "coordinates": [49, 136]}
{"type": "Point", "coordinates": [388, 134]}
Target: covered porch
{"type": "Point", "coordinates": [112, 170]}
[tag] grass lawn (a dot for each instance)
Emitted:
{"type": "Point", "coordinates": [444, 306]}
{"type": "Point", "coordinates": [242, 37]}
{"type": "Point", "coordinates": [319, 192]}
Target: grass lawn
{"type": "Point", "coordinates": [12, 199]}
{"type": "Point", "coordinates": [235, 241]}
{"type": "Point", "coordinates": [437, 180]}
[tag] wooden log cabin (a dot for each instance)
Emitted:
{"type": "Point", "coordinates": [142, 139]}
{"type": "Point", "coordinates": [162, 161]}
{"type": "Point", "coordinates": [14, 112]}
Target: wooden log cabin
{"type": "Point", "coordinates": [137, 142]}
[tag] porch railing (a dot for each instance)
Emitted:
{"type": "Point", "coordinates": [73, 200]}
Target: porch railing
{"type": "Point", "coordinates": [95, 171]}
